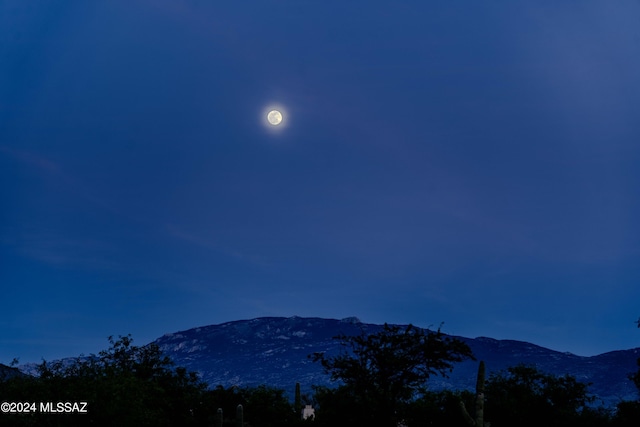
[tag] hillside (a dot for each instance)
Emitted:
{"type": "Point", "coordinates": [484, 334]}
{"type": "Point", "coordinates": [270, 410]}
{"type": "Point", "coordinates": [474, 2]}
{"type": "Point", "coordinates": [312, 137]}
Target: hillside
{"type": "Point", "coordinates": [274, 351]}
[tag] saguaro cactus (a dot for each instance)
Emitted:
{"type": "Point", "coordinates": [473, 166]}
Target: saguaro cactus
{"type": "Point", "coordinates": [239, 416]}
{"type": "Point", "coordinates": [219, 417]}
{"type": "Point", "coordinates": [297, 405]}
{"type": "Point", "coordinates": [478, 421]}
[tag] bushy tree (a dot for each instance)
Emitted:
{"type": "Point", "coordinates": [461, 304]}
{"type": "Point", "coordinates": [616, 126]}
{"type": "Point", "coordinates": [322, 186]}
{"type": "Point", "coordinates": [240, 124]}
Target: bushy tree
{"type": "Point", "coordinates": [124, 385]}
{"type": "Point", "coordinates": [268, 407]}
{"type": "Point", "coordinates": [337, 407]}
{"type": "Point", "coordinates": [525, 396]}
{"type": "Point", "coordinates": [382, 372]}
{"type": "Point", "coordinates": [439, 409]}
{"type": "Point", "coordinates": [636, 376]}
{"type": "Point", "coordinates": [628, 413]}
{"type": "Point", "coordinates": [263, 406]}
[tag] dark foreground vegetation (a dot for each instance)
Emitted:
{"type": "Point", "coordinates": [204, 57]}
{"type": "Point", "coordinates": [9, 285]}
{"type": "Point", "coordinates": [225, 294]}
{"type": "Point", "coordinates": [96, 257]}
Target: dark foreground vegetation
{"type": "Point", "coordinates": [384, 379]}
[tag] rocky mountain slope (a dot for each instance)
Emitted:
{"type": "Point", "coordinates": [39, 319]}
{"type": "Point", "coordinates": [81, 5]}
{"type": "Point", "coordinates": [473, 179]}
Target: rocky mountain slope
{"type": "Point", "coordinates": [274, 351]}
{"type": "Point", "coordinates": [8, 372]}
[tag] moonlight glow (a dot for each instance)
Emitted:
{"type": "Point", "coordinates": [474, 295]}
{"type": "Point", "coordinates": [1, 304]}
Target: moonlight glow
{"type": "Point", "coordinates": [274, 117]}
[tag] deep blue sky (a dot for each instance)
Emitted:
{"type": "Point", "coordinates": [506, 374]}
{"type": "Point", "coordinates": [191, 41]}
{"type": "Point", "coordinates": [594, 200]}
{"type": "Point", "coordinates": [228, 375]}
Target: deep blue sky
{"type": "Point", "coordinates": [473, 163]}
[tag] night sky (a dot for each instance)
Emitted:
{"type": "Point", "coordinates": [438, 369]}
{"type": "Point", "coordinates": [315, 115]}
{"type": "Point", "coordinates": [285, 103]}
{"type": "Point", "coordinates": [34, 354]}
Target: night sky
{"type": "Point", "coordinates": [472, 163]}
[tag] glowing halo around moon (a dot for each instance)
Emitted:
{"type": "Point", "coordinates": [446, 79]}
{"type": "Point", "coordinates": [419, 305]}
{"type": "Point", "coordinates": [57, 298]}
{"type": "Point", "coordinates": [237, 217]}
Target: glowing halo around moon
{"type": "Point", "coordinates": [274, 117]}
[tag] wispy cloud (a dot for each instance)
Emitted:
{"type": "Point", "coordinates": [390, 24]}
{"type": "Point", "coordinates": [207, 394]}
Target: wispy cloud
{"type": "Point", "coordinates": [204, 241]}
{"type": "Point", "coordinates": [51, 246]}
{"type": "Point", "coordinates": [32, 159]}
{"type": "Point", "coordinates": [55, 171]}
{"type": "Point", "coordinates": [63, 251]}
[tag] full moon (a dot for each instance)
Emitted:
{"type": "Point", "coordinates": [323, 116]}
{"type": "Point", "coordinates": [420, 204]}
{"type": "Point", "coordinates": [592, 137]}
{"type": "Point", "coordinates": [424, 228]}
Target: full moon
{"type": "Point", "coordinates": [274, 117]}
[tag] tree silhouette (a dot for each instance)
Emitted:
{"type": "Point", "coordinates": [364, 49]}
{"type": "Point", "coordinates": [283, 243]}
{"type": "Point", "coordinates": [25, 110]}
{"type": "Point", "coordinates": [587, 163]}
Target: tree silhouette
{"type": "Point", "coordinates": [124, 385]}
{"type": "Point", "coordinates": [523, 395]}
{"type": "Point", "coordinates": [382, 372]}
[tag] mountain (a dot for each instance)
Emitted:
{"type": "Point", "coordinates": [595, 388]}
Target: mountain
{"type": "Point", "coordinates": [8, 372]}
{"type": "Point", "coordinates": [274, 351]}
